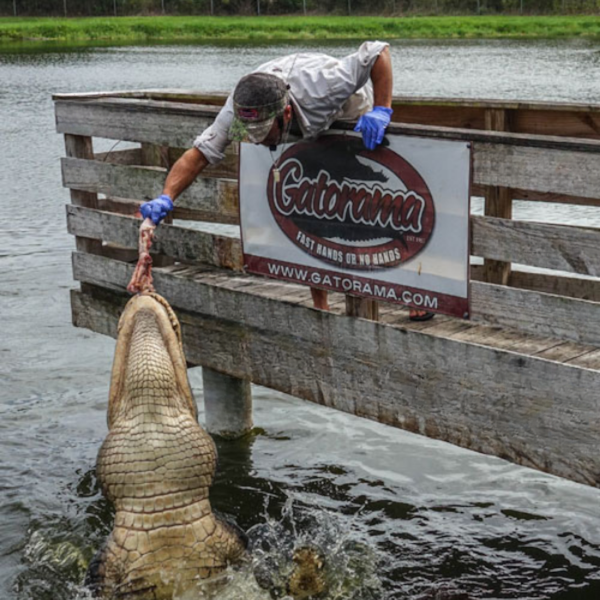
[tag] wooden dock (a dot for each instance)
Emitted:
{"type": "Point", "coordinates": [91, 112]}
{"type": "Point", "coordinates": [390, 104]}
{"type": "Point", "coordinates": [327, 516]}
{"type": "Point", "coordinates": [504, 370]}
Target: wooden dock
{"type": "Point", "coordinates": [520, 380]}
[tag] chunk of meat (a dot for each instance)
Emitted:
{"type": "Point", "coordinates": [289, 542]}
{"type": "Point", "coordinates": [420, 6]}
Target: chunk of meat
{"type": "Point", "coordinates": [142, 276]}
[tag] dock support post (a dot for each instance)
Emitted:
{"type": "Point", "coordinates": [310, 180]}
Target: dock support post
{"type": "Point", "coordinates": [227, 404]}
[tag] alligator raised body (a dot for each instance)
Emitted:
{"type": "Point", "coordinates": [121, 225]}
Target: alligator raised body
{"type": "Point", "coordinates": [156, 465]}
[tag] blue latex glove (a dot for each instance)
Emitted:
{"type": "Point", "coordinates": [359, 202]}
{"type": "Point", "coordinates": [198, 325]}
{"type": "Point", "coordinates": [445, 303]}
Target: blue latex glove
{"type": "Point", "coordinates": [372, 126]}
{"type": "Point", "coordinates": [157, 209]}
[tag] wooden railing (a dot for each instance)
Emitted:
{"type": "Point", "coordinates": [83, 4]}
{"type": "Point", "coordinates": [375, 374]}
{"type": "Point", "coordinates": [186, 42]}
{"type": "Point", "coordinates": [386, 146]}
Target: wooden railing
{"type": "Point", "coordinates": [107, 188]}
{"type": "Point", "coordinates": [518, 391]}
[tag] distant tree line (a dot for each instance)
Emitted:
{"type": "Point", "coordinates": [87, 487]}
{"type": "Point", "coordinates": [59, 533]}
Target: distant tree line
{"type": "Point", "coordinates": [289, 7]}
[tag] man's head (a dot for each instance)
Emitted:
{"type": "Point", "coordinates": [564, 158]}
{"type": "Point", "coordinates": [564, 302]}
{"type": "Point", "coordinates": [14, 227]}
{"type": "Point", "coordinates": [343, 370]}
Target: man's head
{"type": "Point", "coordinates": [261, 109]}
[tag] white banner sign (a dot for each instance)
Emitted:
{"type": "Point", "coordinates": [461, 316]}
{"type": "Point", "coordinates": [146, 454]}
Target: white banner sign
{"type": "Point", "coordinates": [390, 224]}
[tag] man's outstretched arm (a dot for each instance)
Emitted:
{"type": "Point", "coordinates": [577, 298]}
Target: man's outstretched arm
{"type": "Point", "coordinates": [183, 173]}
{"type": "Point", "coordinates": [180, 177]}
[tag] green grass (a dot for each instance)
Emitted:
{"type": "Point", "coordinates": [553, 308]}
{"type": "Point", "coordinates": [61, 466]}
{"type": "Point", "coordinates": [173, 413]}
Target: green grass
{"type": "Point", "coordinates": [137, 29]}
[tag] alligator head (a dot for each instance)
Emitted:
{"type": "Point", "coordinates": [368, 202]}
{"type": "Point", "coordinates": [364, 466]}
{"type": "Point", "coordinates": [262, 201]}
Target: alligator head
{"type": "Point", "coordinates": [156, 465]}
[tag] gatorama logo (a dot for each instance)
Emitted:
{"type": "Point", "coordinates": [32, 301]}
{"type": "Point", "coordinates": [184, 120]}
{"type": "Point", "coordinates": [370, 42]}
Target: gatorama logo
{"type": "Point", "coordinates": [351, 207]}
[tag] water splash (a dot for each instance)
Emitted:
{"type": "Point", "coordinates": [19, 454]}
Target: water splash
{"type": "Point", "coordinates": [308, 553]}
{"type": "Point", "coordinates": [55, 564]}
{"type": "Point", "coordinates": [311, 552]}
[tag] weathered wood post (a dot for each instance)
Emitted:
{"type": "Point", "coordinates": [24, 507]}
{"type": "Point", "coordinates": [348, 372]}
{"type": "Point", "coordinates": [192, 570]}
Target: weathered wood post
{"type": "Point", "coordinates": [227, 404]}
{"type": "Point", "coordinates": [80, 146]}
{"type": "Point", "coordinates": [498, 202]}
{"type": "Point", "coordinates": [362, 307]}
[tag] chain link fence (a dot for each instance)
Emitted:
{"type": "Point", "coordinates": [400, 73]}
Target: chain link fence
{"type": "Point", "coordinates": [293, 7]}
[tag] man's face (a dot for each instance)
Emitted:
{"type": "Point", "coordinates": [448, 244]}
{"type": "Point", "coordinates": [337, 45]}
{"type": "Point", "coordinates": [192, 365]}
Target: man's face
{"type": "Point", "coordinates": [274, 136]}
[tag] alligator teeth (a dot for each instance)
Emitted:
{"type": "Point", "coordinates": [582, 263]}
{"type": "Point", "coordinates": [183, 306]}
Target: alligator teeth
{"type": "Point", "coordinates": [172, 317]}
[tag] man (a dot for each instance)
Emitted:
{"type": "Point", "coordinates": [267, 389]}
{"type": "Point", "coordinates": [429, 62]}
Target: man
{"type": "Point", "coordinates": [297, 96]}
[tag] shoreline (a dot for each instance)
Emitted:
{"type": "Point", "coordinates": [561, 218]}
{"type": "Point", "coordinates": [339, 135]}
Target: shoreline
{"type": "Point", "coordinates": [18, 31]}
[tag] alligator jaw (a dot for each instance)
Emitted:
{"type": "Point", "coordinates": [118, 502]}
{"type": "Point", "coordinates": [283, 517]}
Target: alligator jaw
{"type": "Point", "coordinates": [148, 318]}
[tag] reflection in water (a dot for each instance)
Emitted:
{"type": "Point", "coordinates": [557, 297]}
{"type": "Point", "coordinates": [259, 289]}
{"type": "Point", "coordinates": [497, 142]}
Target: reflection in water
{"type": "Point", "coordinates": [423, 520]}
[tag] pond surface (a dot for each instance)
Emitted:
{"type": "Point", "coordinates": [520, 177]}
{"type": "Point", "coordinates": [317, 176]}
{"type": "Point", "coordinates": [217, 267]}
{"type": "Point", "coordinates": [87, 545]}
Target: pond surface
{"type": "Point", "coordinates": [421, 519]}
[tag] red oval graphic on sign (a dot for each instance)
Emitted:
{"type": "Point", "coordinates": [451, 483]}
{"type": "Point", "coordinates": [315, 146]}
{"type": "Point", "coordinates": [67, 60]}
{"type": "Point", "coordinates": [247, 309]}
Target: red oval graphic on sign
{"type": "Point", "coordinates": [351, 207]}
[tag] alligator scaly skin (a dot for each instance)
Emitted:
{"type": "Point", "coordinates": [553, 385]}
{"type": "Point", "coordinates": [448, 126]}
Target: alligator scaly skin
{"type": "Point", "coordinates": [156, 465]}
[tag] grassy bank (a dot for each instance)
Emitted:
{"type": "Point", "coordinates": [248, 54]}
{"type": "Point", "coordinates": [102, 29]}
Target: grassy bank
{"type": "Point", "coordinates": [139, 29]}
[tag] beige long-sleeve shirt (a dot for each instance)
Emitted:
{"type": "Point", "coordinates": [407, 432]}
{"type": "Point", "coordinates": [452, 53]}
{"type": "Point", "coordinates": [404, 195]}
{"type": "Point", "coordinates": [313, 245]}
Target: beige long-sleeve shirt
{"type": "Point", "coordinates": [323, 89]}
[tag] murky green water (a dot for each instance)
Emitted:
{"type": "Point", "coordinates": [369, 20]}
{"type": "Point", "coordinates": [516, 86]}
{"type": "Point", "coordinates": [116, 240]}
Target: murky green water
{"type": "Point", "coordinates": [421, 519]}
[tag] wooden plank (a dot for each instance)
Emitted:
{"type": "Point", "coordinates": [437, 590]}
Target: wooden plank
{"type": "Point", "coordinates": [534, 412]}
{"type": "Point", "coordinates": [505, 339]}
{"type": "Point", "coordinates": [161, 94]}
{"type": "Point", "coordinates": [565, 352]}
{"type": "Point", "coordinates": [176, 242]}
{"type": "Point", "coordinates": [590, 360]}
{"type": "Point", "coordinates": [438, 327]}
{"type": "Point", "coordinates": [78, 96]}
{"type": "Point", "coordinates": [544, 245]}
{"type": "Point", "coordinates": [584, 289]}
{"type": "Point", "coordinates": [131, 156]}
{"type": "Point", "coordinates": [584, 123]}
{"type": "Point", "coordinates": [573, 287]}
{"type": "Point", "coordinates": [536, 312]}
{"type": "Point", "coordinates": [544, 170]}
{"type": "Point", "coordinates": [163, 123]}
{"type": "Point", "coordinates": [512, 104]}
{"type": "Point", "coordinates": [214, 200]}
{"type": "Point", "coordinates": [557, 120]}
{"type": "Point", "coordinates": [463, 117]}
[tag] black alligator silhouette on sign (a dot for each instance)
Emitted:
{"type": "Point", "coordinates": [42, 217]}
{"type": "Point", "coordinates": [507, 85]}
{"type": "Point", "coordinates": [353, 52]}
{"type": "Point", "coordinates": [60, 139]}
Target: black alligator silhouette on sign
{"type": "Point", "coordinates": [341, 163]}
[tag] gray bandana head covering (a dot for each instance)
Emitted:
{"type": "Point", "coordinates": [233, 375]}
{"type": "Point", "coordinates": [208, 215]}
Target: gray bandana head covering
{"type": "Point", "coordinates": [258, 99]}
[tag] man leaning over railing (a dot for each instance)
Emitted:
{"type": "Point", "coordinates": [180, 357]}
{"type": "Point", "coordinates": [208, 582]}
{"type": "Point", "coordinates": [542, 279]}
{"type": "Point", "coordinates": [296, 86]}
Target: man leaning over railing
{"type": "Point", "coordinates": [289, 98]}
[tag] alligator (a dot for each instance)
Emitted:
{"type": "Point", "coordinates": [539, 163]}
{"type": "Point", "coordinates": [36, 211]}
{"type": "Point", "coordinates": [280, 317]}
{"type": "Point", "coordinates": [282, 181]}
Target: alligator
{"type": "Point", "coordinates": [156, 466]}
